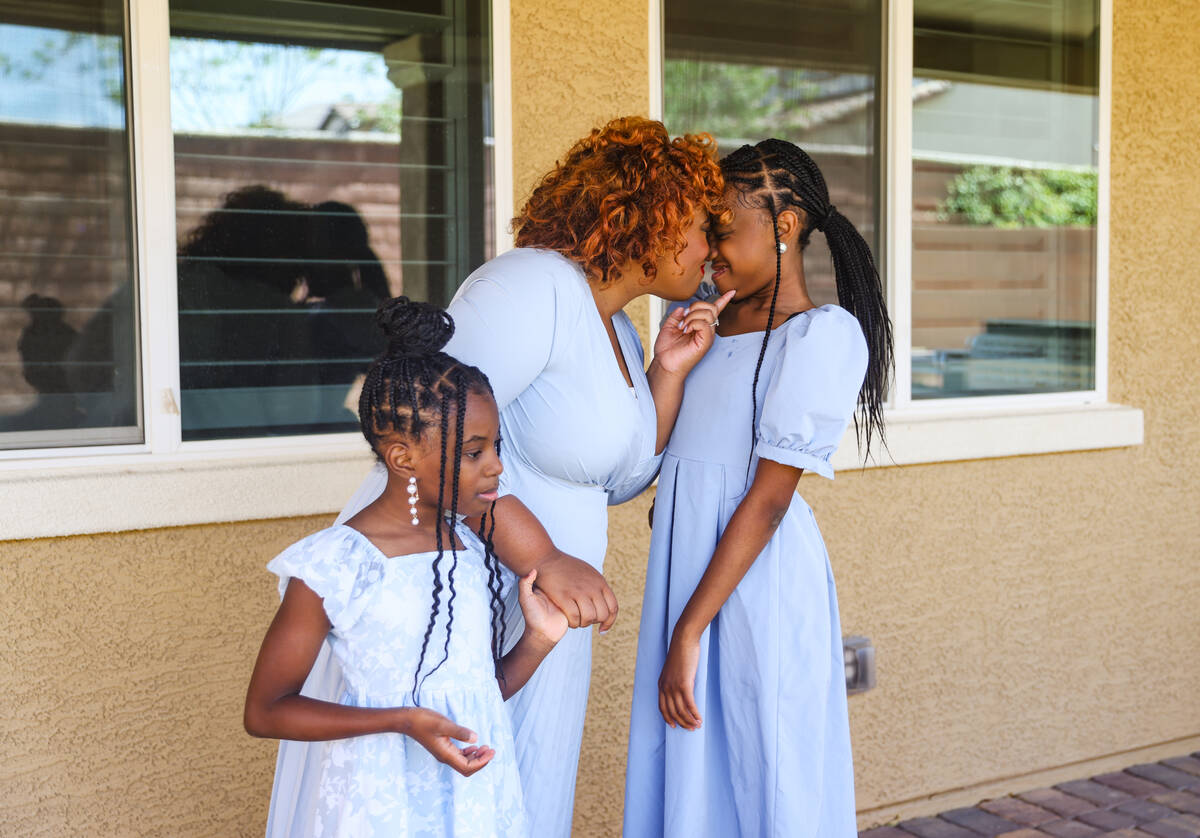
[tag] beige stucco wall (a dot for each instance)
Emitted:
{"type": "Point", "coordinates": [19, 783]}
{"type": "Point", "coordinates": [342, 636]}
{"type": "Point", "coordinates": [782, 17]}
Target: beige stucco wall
{"type": "Point", "coordinates": [1028, 613]}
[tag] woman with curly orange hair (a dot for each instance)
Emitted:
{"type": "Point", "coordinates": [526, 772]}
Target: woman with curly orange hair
{"type": "Point", "coordinates": [584, 423]}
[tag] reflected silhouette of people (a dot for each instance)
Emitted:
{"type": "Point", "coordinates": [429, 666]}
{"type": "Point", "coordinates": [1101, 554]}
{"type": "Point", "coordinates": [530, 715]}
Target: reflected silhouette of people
{"type": "Point", "coordinates": [345, 284]}
{"type": "Point", "coordinates": [43, 346]}
{"type": "Point", "coordinates": [240, 328]}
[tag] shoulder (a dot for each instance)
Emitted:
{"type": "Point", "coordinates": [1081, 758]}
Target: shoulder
{"type": "Point", "coordinates": [830, 326]}
{"type": "Point", "coordinates": [325, 552]}
{"type": "Point", "coordinates": [529, 273]}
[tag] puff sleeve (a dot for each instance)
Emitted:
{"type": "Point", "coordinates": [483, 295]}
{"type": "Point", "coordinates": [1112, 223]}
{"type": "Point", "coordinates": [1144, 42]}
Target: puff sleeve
{"type": "Point", "coordinates": [504, 319]}
{"type": "Point", "coordinates": [337, 567]}
{"type": "Point", "coordinates": [813, 390]}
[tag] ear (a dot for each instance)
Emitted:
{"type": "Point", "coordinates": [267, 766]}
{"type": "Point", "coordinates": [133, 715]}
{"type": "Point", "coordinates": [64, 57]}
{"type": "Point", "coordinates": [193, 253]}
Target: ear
{"type": "Point", "coordinates": [788, 223]}
{"type": "Point", "coordinates": [398, 457]}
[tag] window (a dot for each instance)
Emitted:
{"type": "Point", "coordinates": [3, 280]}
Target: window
{"type": "Point", "coordinates": [983, 118]}
{"type": "Point", "coordinates": [69, 371]}
{"type": "Point", "coordinates": [1005, 155]}
{"type": "Point", "coordinates": [324, 156]}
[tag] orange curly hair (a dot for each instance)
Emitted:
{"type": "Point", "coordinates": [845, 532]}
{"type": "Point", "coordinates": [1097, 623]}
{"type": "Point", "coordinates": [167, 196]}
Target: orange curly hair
{"type": "Point", "coordinates": [624, 193]}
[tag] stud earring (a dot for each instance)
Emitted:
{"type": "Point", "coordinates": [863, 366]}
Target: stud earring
{"type": "Point", "coordinates": [413, 497]}
{"type": "Point", "coordinates": [782, 247]}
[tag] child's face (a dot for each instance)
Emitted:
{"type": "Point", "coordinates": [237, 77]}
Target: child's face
{"type": "Point", "coordinates": [479, 468]}
{"type": "Point", "coordinates": [743, 249]}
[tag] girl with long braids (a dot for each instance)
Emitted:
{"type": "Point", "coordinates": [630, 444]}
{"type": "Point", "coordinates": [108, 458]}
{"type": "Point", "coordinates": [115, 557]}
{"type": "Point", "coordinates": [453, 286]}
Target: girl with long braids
{"type": "Point", "coordinates": [624, 213]}
{"type": "Point", "coordinates": [410, 599]}
{"type": "Point", "coordinates": [739, 723]}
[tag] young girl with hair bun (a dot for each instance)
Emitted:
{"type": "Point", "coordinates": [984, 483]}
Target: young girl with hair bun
{"type": "Point", "coordinates": [739, 723]}
{"type": "Point", "coordinates": [410, 599]}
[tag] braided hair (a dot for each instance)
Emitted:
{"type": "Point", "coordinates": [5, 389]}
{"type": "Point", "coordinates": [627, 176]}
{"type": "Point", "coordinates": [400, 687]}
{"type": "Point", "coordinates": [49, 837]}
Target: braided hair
{"type": "Point", "coordinates": [409, 389]}
{"type": "Point", "coordinates": [776, 175]}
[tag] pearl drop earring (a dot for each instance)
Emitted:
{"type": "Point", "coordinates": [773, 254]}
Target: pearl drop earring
{"type": "Point", "coordinates": [413, 497]}
{"type": "Point", "coordinates": [782, 247]}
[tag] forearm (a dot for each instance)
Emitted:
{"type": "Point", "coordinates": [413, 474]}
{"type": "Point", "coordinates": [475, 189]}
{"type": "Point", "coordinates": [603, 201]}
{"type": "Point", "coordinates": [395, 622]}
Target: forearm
{"type": "Point", "coordinates": [309, 720]}
{"type": "Point", "coordinates": [667, 391]}
{"type": "Point", "coordinates": [522, 661]}
{"type": "Point", "coordinates": [750, 528]}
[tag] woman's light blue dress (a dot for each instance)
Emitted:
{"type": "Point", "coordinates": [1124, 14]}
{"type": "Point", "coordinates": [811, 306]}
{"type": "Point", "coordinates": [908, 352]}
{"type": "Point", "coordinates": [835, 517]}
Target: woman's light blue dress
{"type": "Point", "coordinates": [576, 438]}
{"type": "Point", "coordinates": [772, 757]}
{"type": "Point", "coordinates": [386, 784]}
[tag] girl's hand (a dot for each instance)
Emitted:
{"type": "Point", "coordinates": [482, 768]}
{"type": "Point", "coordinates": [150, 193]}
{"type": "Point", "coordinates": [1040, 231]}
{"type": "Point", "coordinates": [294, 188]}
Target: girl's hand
{"type": "Point", "coordinates": [687, 334]}
{"type": "Point", "coordinates": [677, 684]}
{"type": "Point", "coordinates": [436, 734]}
{"type": "Point", "coordinates": [542, 617]}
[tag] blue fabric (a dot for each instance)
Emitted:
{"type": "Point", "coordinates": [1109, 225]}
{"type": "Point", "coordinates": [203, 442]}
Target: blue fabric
{"type": "Point", "coordinates": [772, 757]}
{"type": "Point", "coordinates": [576, 438]}
{"type": "Point", "coordinates": [388, 784]}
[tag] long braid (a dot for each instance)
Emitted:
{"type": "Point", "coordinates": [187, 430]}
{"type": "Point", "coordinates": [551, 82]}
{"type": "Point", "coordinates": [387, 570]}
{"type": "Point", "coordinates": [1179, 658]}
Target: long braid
{"type": "Point", "coordinates": [495, 588]}
{"type": "Point", "coordinates": [762, 352]}
{"type": "Point", "coordinates": [779, 175]}
{"type": "Point", "coordinates": [451, 523]}
{"type": "Point", "coordinates": [437, 576]}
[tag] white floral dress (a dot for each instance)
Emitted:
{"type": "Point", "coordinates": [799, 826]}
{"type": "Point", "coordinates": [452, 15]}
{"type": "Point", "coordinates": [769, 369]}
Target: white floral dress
{"type": "Point", "coordinates": [387, 784]}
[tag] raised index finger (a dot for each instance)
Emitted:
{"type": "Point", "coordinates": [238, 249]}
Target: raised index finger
{"type": "Point", "coordinates": [723, 300]}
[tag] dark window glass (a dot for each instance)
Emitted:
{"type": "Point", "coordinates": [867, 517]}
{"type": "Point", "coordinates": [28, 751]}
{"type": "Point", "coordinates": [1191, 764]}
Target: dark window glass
{"type": "Point", "coordinates": [68, 339]}
{"type": "Point", "coordinates": [1005, 133]}
{"type": "Point", "coordinates": [328, 156]}
{"type": "Point", "coordinates": [807, 71]}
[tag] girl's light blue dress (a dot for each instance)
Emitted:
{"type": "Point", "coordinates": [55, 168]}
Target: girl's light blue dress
{"type": "Point", "coordinates": [577, 438]}
{"type": "Point", "coordinates": [772, 757]}
{"type": "Point", "coordinates": [387, 784]}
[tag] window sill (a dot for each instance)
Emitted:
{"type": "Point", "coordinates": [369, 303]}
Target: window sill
{"type": "Point", "coordinates": [210, 483]}
{"type": "Point", "coordinates": [928, 436]}
{"type": "Point", "coordinates": [72, 496]}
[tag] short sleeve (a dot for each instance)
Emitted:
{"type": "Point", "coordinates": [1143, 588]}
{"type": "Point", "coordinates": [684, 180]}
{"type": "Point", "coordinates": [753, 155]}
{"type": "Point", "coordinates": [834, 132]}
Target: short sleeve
{"type": "Point", "coordinates": [504, 319]}
{"type": "Point", "coordinates": [335, 565]}
{"type": "Point", "coordinates": [813, 390]}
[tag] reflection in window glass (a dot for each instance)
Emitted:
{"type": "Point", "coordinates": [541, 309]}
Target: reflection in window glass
{"type": "Point", "coordinates": [801, 70]}
{"type": "Point", "coordinates": [1005, 122]}
{"type": "Point", "coordinates": [68, 356]}
{"type": "Point", "coordinates": [324, 162]}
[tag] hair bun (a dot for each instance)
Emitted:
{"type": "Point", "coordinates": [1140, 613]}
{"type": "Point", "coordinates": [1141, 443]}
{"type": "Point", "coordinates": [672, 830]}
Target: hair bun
{"type": "Point", "coordinates": [413, 328]}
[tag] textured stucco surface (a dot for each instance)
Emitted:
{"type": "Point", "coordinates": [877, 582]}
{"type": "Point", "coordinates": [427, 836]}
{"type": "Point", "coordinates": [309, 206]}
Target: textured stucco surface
{"type": "Point", "coordinates": [125, 666]}
{"type": "Point", "coordinates": [1028, 613]}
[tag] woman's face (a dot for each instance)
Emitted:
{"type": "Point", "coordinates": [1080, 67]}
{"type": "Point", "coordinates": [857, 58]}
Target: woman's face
{"type": "Point", "coordinates": [679, 274]}
{"type": "Point", "coordinates": [743, 249]}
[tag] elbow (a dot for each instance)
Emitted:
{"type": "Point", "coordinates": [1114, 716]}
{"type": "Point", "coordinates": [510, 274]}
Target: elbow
{"type": "Point", "coordinates": [254, 720]}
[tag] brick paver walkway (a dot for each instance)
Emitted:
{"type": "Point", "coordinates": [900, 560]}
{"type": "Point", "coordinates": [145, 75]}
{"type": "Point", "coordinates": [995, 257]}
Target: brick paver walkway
{"type": "Point", "coordinates": [1153, 800]}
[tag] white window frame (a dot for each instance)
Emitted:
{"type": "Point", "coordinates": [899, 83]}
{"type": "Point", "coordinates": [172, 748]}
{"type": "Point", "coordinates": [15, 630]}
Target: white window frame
{"type": "Point", "coordinates": [165, 481]}
{"type": "Point", "coordinates": [973, 427]}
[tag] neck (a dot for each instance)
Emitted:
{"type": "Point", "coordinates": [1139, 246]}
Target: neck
{"type": "Point", "coordinates": [793, 297]}
{"type": "Point", "coordinates": [615, 295]}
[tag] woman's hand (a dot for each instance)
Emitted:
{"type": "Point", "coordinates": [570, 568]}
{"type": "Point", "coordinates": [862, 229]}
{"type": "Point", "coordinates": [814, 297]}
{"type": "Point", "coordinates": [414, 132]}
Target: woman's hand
{"type": "Point", "coordinates": [542, 617]}
{"type": "Point", "coordinates": [687, 334]}
{"type": "Point", "coordinates": [677, 683]}
{"type": "Point", "coordinates": [578, 590]}
{"type": "Point", "coordinates": [436, 734]}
